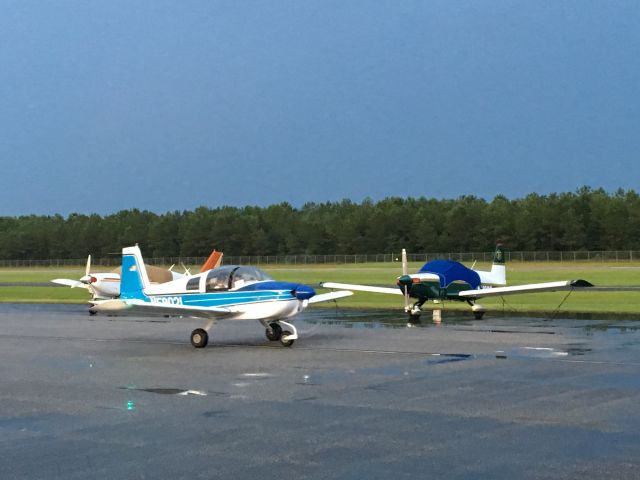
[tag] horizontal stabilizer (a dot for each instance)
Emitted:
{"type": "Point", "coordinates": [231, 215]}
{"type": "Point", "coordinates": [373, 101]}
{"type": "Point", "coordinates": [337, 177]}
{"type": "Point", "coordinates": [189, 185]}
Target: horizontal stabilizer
{"type": "Point", "coordinates": [326, 297]}
{"type": "Point", "coordinates": [528, 288]}
{"type": "Point", "coordinates": [69, 283]}
{"type": "Point", "coordinates": [362, 288]}
{"type": "Point", "coordinates": [112, 306]}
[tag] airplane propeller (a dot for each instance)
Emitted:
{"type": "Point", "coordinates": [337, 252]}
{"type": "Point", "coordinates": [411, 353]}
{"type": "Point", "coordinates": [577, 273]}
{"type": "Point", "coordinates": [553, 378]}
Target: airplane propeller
{"type": "Point", "coordinates": [88, 278]}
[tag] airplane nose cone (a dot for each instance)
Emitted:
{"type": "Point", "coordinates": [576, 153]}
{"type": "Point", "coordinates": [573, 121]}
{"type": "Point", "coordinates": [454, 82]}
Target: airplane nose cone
{"type": "Point", "coordinates": [303, 292]}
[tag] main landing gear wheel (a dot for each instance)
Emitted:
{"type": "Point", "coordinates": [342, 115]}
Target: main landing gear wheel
{"type": "Point", "coordinates": [199, 338]}
{"type": "Point", "coordinates": [478, 315]}
{"type": "Point", "coordinates": [286, 343]}
{"type": "Point", "coordinates": [273, 332]}
{"type": "Point", "coordinates": [415, 311]}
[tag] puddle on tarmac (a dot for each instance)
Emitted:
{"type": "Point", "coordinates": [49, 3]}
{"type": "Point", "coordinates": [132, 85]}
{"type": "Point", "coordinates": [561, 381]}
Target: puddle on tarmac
{"type": "Point", "coordinates": [511, 322]}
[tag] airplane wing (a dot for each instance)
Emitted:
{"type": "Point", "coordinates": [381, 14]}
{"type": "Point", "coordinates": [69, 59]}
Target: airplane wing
{"type": "Point", "coordinates": [69, 283]}
{"type": "Point", "coordinates": [326, 297]}
{"type": "Point", "coordinates": [362, 288]}
{"type": "Point", "coordinates": [135, 306]}
{"type": "Point", "coordinates": [528, 288]}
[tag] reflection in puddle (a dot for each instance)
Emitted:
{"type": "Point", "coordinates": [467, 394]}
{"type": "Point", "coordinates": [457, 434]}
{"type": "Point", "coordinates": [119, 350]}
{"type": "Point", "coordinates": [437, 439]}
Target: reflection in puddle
{"type": "Point", "coordinates": [578, 349]}
{"type": "Point", "coordinates": [449, 359]}
{"type": "Point", "coordinates": [381, 318]}
{"type": "Point", "coordinates": [543, 352]}
{"type": "Point", "coordinates": [611, 328]}
{"type": "Point", "coordinates": [168, 391]}
{"type": "Point", "coordinates": [214, 413]}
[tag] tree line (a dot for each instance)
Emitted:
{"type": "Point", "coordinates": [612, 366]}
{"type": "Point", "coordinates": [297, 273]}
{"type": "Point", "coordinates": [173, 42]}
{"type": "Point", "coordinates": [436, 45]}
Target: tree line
{"type": "Point", "coordinates": [586, 219]}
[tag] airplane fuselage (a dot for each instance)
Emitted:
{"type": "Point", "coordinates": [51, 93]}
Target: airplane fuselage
{"type": "Point", "coordinates": [427, 287]}
{"type": "Point", "coordinates": [242, 305]}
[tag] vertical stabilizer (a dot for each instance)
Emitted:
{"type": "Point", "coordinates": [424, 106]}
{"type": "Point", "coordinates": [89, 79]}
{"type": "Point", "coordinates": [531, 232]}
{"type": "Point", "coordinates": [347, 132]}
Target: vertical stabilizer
{"type": "Point", "coordinates": [133, 278]}
{"type": "Point", "coordinates": [214, 261]}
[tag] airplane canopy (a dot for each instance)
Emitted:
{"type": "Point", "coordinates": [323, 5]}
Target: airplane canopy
{"type": "Point", "coordinates": [449, 271]}
{"type": "Point", "coordinates": [233, 276]}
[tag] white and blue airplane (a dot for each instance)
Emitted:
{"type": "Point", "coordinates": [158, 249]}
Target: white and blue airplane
{"type": "Point", "coordinates": [231, 292]}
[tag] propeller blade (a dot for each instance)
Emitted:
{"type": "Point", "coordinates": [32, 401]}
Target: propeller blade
{"type": "Point", "coordinates": [86, 271]}
{"type": "Point", "coordinates": [186, 270]}
{"type": "Point", "coordinates": [405, 268]}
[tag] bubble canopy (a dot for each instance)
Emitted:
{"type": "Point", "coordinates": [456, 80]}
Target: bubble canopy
{"type": "Point", "coordinates": [233, 276]}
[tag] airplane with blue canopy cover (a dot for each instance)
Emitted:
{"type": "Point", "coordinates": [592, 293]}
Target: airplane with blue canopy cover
{"type": "Point", "coordinates": [440, 280]}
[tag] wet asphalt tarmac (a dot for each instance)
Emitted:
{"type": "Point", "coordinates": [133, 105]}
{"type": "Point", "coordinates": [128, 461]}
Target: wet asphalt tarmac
{"type": "Point", "coordinates": [361, 395]}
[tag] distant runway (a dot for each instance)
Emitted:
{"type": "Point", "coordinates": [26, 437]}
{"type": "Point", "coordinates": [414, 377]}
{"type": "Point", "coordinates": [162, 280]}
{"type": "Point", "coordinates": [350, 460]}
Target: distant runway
{"type": "Point", "coordinates": [361, 395]}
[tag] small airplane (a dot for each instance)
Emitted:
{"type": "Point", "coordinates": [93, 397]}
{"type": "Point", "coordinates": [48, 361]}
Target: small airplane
{"type": "Point", "coordinates": [106, 285]}
{"type": "Point", "coordinates": [440, 280]}
{"type": "Point", "coordinates": [231, 292]}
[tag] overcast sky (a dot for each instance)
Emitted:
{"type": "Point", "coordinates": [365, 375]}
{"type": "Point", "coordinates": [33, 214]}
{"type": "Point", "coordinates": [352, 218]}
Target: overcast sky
{"type": "Point", "coordinates": [169, 105]}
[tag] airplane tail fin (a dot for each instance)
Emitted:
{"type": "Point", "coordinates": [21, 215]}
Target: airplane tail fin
{"type": "Point", "coordinates": [133, 278]}
{"type": "Point", "coordinates": [214, 261]}
{"type": "Point", "coordinates": [498, 268]}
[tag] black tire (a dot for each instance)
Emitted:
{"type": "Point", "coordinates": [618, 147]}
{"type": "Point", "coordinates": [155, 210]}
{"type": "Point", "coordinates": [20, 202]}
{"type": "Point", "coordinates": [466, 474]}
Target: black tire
{"type": "Point", "coordinates": [273, 332]}
{"type": "Point", "coordinates": [478, 315]}
{"type": "Point", "coordinates": [199, 338]}
{"type": "Point", "coordinates": [92, 312]}
{"type": "Point", "coordinates": [286, 343]}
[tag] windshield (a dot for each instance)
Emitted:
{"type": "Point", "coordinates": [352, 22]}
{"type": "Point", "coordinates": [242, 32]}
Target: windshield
{"type": "Point", "coordinates": [245, 275]}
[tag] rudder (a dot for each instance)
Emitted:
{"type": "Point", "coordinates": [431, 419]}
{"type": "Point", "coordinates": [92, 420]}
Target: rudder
{"type": "Point", "coordinates": [133, 278]}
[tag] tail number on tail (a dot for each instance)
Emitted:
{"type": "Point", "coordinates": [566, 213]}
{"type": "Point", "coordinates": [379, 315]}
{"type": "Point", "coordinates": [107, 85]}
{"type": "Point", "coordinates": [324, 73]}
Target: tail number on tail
{"type": "Point", "coordinates": [167, 300]}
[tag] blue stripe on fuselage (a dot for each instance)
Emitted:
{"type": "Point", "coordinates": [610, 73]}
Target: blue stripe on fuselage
{"type": "Point", "coordinates": [222, 299]}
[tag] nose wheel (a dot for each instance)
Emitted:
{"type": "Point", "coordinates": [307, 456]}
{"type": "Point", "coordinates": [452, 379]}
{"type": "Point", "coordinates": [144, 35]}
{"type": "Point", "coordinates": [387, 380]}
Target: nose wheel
{"type": "Point", "coordinates": [275, 332]}
{"type": "Point", "coordinates": [414, 311]}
